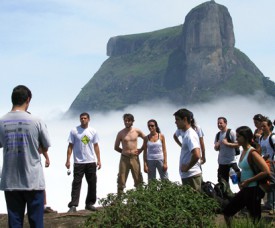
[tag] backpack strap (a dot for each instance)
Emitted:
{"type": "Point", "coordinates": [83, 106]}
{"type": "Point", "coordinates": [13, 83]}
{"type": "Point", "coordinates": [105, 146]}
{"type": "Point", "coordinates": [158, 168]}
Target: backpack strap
{"type": "Point", "coordinates": [270, 141]}
{"type": "Point", "coordinates": [227, 135]}
{"type": "Point", "coordinates": [218, 136]}
{"type": "Point", "coordinates": [250, 162]}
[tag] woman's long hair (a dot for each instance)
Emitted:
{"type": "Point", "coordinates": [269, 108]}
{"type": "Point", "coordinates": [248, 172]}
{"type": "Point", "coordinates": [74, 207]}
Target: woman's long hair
{"type": "Point", "coordinates": [247, 133]}
{"type": "Point", "coordinates": [156, 124]}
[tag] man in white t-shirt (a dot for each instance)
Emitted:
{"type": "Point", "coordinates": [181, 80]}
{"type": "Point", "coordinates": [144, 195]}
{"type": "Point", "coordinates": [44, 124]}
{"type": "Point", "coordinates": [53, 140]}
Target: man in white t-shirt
{"type": "Point", "coordinates": [189, 166]}
{"type": "Point", "coordinates": [83, 142]}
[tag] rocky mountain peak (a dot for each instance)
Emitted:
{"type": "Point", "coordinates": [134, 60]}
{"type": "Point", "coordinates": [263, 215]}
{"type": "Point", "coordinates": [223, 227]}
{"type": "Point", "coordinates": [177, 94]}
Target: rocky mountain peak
{"type": "Point", "coordinates": [190, 63]}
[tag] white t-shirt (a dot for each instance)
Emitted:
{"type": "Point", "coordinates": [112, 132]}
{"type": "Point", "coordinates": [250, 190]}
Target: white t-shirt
{"type": "Point", "coordinates": [265, 146]}
{"type": "Point", "coordinates": [190, 141]}
{"type": "Point", "coordinates": [198, 131]}
{"type": "Point", "coordinates": [83, 140]}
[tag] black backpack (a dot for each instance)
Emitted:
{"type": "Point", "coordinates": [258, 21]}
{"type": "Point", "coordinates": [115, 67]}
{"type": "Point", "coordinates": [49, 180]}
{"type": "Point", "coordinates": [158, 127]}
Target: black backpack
{"type": "Point", "coordinates": [221, 192]}
{"type": "Point", "coordinates": [227, 136]}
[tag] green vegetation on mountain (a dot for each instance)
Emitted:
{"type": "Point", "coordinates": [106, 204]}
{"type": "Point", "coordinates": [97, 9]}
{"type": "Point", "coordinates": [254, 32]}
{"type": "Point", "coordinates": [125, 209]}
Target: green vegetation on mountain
{"type": "Point", "coordinates": [189, 63]}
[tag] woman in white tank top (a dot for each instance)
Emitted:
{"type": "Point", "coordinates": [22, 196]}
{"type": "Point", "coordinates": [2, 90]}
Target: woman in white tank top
{"type": "Point", "coordinates": [155, 156]}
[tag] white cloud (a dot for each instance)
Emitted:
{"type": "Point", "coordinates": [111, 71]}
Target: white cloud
{"type": "Point", "coordinates": [238, 110]}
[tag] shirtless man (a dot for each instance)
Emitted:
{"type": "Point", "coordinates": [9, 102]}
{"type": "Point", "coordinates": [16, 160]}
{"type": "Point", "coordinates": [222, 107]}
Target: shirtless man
{"type": "Point", "coordinates": [129, 160]}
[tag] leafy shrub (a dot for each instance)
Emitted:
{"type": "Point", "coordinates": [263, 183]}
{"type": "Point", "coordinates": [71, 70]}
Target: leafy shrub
{"type": "Point", "coordinates": [158, 204]}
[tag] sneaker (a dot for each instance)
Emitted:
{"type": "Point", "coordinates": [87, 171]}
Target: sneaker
{"type": "Point", "coordinates": [49, 210]}
{"type": "Point", "coordinates": [72, 209]}
{"type": "Point", "coordinates": [90, 207]}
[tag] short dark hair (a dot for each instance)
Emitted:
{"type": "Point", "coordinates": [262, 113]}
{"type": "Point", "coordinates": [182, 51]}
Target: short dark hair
{"type": "Point", "coordinates": [269, 122]}
{"type": "Point", "coordinates": [129, 117]}
{"type": "Point", "coordinates": [20, 95]}
{"type": "Point", "coordinates": [258, 117]}
{"type": "Point", "coordinates": [181, 113]}
{"type": "Point", "coordinates": [223, 118]}
{"type": "Point", "coordinates": [246, 132]}
{"type": "Point", "coordinates": [85, 114]}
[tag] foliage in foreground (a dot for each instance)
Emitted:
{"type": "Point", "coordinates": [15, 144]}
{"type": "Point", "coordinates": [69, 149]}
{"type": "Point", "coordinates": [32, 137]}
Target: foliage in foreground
{"type": "Point", "coordinates": [158, 204]}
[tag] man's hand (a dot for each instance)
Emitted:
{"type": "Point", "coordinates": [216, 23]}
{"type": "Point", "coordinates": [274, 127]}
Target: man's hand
{"type": "Point", "coordinates": [68, 164]}
{"type": "Point", "coordinates": [98, 165]}
{"type": "Point", "coordinates": [184, 167]}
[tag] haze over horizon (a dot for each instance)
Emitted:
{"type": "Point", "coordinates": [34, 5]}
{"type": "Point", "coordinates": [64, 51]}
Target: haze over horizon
{"type": "Point", "coordinates": [238, 110]}
{"type": "Point", "coordinates": [56, 46]}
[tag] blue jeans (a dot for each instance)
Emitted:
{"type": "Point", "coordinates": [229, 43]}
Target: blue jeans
{"type": "Point", "coordinates": [152, 166]}
{"type": "Point", "coordinates": [89, 169]}
{"type": "Point", "coordinates": [16, 203]}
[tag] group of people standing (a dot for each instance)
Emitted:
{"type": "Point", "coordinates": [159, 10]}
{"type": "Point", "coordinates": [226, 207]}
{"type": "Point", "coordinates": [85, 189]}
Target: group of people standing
{"type": "Point", "coordinates": [24, 137]}
{"type": "Point", "coordinates": [257, 148]}
{"type": "Point", "coordinates": [155, 154]}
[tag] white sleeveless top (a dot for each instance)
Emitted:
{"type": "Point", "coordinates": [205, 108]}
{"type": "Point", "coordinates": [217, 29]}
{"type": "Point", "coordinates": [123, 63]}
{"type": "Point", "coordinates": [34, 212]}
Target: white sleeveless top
{"type": "Point", "coordinates": [154, 150]}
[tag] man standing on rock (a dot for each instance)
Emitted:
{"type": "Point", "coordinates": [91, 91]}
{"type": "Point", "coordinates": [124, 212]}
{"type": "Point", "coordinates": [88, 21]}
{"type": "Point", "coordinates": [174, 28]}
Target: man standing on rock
{"type": "Point", "coordinates": [21, 136]}
{"type": "Point", "coordinates": [227, 153]}
{"type": "Point", "coordinates": [129, 159]}
{"type": "Point", "coordinates": [83, 142]}
{"type": "Point", "coordinates": [189, 165]}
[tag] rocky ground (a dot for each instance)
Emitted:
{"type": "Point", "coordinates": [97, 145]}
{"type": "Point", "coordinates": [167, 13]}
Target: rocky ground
{"type": "Point", "coordinates": [73, 220]}
{"type": "Point", "coordinates": [55, 220]}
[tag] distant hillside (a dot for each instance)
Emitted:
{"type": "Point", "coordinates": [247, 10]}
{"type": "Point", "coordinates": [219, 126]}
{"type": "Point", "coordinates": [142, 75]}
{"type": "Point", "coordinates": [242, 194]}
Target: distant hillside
{"type": "Point", "coordinates": [190, 63]}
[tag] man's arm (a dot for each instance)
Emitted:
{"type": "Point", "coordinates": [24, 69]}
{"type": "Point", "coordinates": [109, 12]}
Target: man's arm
{"type": "Point", "coordinates": [194, 159]}
{"type": "Point", "coordinates": [141, 135]}
{"type": "Point", "coordinates": [145, 155]}
{"type": "Point", "coordinates": [233, 143]}
{"type": "Point", "coordinates": [97, 152]}
{"type": "Point", "coordinates": [203, 157]}
{"type": "Point", "coordinates": [230, 144]}
{"type": "Point", "coordinates": [177, 140]}
{"type": "Point", "coordinates": [217, 142]}
{"type": "Point", "coordinates": [69, 153]}
{"type": "Point", "coordinates": [117, 143]}
{"type": "Point", "coordinates": [44, 151]}
{"type": "Point", "coordinates": [165, 167]}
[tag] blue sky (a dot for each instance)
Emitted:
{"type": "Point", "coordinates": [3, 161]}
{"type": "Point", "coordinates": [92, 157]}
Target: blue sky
{"type": "Point", "coordinates": [56, 46]}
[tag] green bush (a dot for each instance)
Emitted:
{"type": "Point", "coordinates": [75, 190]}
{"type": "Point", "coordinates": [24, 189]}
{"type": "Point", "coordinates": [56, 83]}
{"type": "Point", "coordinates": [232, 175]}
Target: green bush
{"type": "Point", "coordinates": [158, 204]}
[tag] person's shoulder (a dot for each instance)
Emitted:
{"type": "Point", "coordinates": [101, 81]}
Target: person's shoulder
{"type": "Point", "coordinates": [232, 132]}
{"type": "Point", "coordinates": [137, 131]}
{"type": "Point", "coordinates": [179, 132]}
{"type": "Point", "coordinates": [91, 129]}
{"type": "Point", "coordinates": [121, 132]}
{"type": "Point", "coordinates": [161, 136]}
{"type": "Point", "coordinates": [191, 132]}
{"type": "Point", "coordinates": [75, 129]}
{"type": "Point", "coordinates": [198, 127]}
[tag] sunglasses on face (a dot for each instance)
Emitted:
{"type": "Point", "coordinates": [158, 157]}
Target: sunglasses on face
{"type": "Point", "coordinates": [151, 125]}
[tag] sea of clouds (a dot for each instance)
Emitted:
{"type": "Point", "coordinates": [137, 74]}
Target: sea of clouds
{"type": "Point", "coordinates": [238, 111]}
